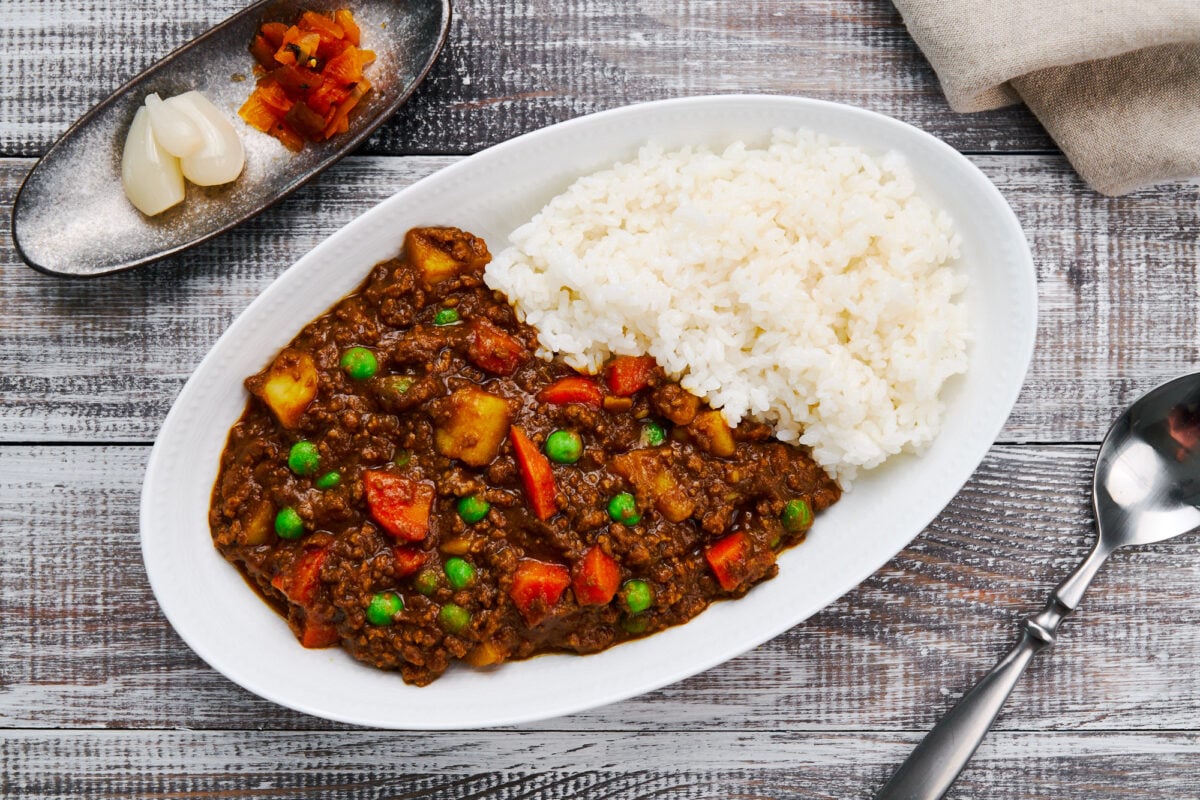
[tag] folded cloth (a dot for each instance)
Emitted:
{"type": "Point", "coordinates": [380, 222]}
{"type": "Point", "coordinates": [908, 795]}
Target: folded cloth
{"type": "Point", "coordinates": [1115, 82]}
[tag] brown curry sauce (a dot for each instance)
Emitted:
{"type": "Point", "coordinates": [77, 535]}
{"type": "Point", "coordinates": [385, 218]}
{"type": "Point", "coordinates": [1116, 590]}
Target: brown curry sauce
{"type": "Point", "coordinates": [463, 409]}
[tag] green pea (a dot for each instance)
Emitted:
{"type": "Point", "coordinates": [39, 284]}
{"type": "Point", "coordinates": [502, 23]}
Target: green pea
{"type": "Point", "coordinates": [288, 524]}
{"type": "Point", "coordinates": [359, 363]}
{"type": "Point", "coordinates": [796, 516]}
{"type": "Point", "coordinates": [454, 618]}
{"type": "Point", "coordinates": [446, 316]}
{"type": "Point", "coordinates": [384, 607]}
{"type": "Point", "coordinates": [565, 447]}
{"type": "Point", "coordinates": [635, 624]}
{"type": "Point", "coordinates": [459, 572]}
{"type": "Point", "coordinates": [402, 384]}
{"type": "Point", "coordinates": [401, 458]}
{"type": "Point", "coordinates": [653, 434]}
{"type": "Point", "coordinates": [473, 508]}
{"type": "Point", "coordinates": [623, 509]}
{"type": "Point", "coordinates": [636, 596]}
{"type": "Point", "coordinates": [328, 481]}
{"type": "Point", "coordinates": [427, 581]}
{"type": "Point", "coordinates": [304, 459]}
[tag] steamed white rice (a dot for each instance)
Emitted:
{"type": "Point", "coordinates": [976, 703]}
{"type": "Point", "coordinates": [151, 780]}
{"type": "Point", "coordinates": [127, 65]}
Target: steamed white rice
{"type": "Point", "coordinates": [806, 285]}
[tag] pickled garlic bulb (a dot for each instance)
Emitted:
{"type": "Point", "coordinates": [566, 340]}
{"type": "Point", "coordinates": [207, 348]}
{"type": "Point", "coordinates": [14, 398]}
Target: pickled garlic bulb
{"type": "Point", "coordinates": [181, 137]}
{"type": "Point", "coordinates": [151, 176]}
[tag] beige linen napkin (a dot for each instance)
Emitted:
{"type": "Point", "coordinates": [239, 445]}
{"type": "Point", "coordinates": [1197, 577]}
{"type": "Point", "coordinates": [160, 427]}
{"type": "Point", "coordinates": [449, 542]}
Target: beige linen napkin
{"type": "Point", "coordinates": [1115, 82]}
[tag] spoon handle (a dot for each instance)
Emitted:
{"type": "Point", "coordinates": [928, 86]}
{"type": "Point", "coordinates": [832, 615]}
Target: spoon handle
{"type": "Point", "coordinates": [933, 766]}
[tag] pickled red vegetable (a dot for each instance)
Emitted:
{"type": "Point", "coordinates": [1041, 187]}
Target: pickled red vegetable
{"type": "Point", "coordinates": [310, 77]}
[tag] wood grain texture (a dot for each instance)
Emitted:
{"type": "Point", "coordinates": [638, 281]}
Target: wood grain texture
{"type": "Point", "coordinates": [97, 693]}
{"type": "Point", "coordinates": [554, 766]}
{"type": "Point", "coordinates": [512, 68]}
{"type": "Point", "coordinates": [86, 646]}
{"type": "Point", "coordinates": [1117, 284]}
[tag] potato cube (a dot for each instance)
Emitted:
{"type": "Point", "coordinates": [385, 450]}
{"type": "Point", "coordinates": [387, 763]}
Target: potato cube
{"type": "Point", "coordinates": [257, 528]}
{"type": "Point", "coordinates": [670, 499]}
{"type": "Point", "coordinates": [443, 253]}
{"type": "Point", "coordinates": [485, 654]}
{"type": "Point", "coordinates": [713, 433]}
{"type": "Point", "coordinates": [436, 264]}
{"type": "Point", "coordinates": [288, 386]}
{"type": "Point", "coordinates": [471, 425]}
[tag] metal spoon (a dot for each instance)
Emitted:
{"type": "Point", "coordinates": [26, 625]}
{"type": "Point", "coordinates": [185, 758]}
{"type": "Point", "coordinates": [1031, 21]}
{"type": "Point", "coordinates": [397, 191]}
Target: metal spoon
{"type": "Point", "coordinates": [1146, 489]}
{"type": "Point", "coordinates": [71, 218]}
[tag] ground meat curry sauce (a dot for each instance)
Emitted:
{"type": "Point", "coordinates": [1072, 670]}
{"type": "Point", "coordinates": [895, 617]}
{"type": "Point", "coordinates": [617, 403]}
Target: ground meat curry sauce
{"type": "Point", "coordinates": [409, 481]}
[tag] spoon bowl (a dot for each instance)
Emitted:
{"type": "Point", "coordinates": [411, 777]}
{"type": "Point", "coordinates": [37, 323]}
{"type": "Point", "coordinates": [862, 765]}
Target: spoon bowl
{"type": "Point", "coordinates": [71, 217]}
{"type": "Point", "coordinates": [1147, 484]}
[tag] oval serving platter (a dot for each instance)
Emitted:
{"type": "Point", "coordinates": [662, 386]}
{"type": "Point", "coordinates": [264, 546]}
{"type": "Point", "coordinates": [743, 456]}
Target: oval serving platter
{"type": "Point", "coordinates": [490, 194]}
{"type": "Point", "coordinates": [71, 218]}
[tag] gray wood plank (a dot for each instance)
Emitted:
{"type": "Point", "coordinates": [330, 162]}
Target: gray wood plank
{"type": "Point", "coordinates": [85, 644]}
{"type": "Point", "coordinates": [364, 765]}
{"type": "Point", "coordinates": [102, 360]}
{"type": "Point", "coordinates": [508, 69]}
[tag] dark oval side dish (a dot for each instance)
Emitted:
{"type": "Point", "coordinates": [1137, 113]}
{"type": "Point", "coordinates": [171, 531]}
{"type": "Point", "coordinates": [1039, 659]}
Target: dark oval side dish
{"type": "Point", "coordinates": [71, 217]}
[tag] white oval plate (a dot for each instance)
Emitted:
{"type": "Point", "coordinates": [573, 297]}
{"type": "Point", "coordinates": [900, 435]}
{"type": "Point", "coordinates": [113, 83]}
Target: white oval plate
{"type": "Point", "coordinates": [490, 194]}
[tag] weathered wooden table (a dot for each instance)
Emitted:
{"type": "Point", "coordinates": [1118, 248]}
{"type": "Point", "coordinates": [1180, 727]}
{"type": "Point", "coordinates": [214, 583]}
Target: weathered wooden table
{"type": "Point", "coordinates": [99, 698]}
